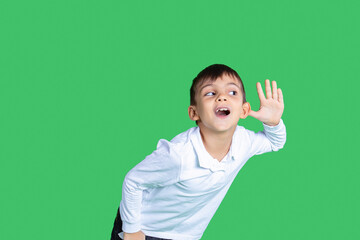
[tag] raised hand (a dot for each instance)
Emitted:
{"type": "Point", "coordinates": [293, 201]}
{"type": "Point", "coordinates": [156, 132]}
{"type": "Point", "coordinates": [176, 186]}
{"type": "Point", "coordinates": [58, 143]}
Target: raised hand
{"type": "Point", "coordinates": [271, 107]}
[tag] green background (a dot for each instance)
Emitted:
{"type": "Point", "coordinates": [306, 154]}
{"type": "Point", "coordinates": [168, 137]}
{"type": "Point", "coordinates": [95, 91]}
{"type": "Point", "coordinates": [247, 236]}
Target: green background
{"type": "Point", "coordinates": [87, 88]}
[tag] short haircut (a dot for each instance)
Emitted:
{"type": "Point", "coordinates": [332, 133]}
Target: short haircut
{"type": "Point", "coordinates": [210, 74]}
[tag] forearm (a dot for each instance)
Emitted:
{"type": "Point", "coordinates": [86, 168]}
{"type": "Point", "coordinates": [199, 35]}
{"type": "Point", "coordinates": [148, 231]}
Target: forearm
{"type": "Point", "coordinates": [130, 206]}
{"type": "Point", "coordinates": [276, 135]}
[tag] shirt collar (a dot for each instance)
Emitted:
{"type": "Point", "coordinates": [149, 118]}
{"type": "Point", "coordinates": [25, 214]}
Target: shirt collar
{"type": "Point", "coordinates": [205, 159]}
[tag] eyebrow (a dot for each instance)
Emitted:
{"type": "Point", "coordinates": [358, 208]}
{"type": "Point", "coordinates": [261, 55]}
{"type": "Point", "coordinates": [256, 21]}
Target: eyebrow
{"type": "Point", "coordinates": [210, 84]}
{"type": "Point", "coordinates": [207, 85]}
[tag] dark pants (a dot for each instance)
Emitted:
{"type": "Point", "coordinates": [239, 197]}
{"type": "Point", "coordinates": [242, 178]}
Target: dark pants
{"type": "Point", "coordinates": [118, 229]}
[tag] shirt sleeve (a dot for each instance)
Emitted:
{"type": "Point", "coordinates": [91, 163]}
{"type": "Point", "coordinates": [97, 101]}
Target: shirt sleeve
{"type": "Point", "coordinates": [159, 169]}
{"type": "Point", "coordinates": [272, 138]}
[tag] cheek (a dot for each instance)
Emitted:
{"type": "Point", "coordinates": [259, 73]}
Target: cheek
{"type": "Point", "coordinates": [238, 109]}
{"type": "Point", "coordinates": [203, 110]}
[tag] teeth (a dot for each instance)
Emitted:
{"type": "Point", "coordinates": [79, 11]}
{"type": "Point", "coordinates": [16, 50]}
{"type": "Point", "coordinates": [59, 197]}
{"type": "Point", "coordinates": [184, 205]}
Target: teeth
{"type": "Point", "coordinates": [221, 109]}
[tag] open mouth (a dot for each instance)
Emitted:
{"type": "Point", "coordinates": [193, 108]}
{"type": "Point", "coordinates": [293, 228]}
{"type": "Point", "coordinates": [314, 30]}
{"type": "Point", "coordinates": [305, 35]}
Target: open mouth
{"type": "Point", "coordinates": [222, 111]}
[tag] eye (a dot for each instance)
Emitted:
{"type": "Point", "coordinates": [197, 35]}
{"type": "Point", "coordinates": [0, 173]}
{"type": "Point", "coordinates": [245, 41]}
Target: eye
{"type": "Point", "coordinates": [233, 92]}
{"type": "Point", "coordinates": [210, 94]}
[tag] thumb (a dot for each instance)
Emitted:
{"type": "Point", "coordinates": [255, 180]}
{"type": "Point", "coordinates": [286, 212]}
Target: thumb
{"type": "Point", "coordinates": [254, 114]}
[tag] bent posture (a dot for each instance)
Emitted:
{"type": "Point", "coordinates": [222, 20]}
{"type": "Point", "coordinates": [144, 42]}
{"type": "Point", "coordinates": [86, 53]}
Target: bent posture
{"type": "Point", "coordinates": [175, 191]}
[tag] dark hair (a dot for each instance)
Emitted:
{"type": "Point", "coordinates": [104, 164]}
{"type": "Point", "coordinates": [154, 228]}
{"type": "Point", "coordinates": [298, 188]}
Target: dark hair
{"type": "Point", "coordinates": [211, 73]}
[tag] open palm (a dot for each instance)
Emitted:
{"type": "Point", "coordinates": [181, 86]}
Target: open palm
{"type": "Point", "coordinates": [271, 106]}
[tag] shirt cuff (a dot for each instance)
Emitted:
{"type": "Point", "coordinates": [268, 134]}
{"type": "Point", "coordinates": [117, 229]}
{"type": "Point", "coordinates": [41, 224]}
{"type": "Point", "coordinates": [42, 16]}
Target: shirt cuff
{"type": "Point", "coordinates": [131, 227]}
{"type": "Point", "coordinates": [274, 128]}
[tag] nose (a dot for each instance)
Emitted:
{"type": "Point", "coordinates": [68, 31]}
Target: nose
{"type": "Point", "coordinates": [221, 98]}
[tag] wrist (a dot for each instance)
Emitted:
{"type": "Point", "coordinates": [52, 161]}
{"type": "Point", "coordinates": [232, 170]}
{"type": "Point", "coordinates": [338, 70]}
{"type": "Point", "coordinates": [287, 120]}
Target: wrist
{"type": "Point", "coordinates": [272, 124]}
{"type": "Point", "coordinates": [274, 128]}
{"type": "Point", "coordinates": [134, 236]}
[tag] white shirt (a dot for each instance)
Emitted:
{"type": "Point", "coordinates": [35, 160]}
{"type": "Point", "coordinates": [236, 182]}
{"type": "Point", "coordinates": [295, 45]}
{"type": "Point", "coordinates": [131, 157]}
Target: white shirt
{"type": "Point", "coordinates": [174, 192]}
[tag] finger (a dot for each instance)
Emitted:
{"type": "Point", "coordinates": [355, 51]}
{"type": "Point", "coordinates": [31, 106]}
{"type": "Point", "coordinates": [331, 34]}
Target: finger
{"type": "Point", "coordinates": [260, 92]}
{"type": "Point", "coordinates": [274, 90]}
{"type": "Point", "coordinates": [268, 89]}
{"type": "Point", "coordinates": [280, 98]}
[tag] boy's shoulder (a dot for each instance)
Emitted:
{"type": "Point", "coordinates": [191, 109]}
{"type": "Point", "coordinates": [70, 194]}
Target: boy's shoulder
{"type": "Point", "coordinates": [176, 149]}
{"type": "Point", "coordinates": [185, 136]}
{"type": "Point", "coordinates": [179, 141]}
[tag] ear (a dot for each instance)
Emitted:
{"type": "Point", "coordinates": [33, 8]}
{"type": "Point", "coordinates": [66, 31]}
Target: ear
{"type": "Point", "coordinates": [193, 113]}
{"type": "Point", "coordinates": [245, 110]}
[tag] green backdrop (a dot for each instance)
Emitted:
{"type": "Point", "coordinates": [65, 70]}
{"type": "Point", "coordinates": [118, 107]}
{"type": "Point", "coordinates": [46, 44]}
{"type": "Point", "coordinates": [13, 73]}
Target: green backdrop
{"type": "Point", "coordinates": [87, 88]}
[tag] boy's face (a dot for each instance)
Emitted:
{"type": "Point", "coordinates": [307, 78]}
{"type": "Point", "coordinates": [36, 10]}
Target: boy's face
{"type": "Point", "coordinates": [219, 105]}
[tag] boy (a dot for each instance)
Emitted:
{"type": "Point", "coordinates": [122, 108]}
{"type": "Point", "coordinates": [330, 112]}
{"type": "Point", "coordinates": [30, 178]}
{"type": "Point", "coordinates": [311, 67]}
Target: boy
{"type": "Point", "coordinates": [175, 191]}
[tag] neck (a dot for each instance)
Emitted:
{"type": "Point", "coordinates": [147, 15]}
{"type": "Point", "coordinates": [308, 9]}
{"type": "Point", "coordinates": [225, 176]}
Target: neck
{"type": "Point", "coordinates": [217, 144]}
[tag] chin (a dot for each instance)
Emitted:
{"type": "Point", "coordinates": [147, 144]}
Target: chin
{"type": "Point", "coordinates": [219, 126]}
{"type": "Point", "coordinates": [224, 128]}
